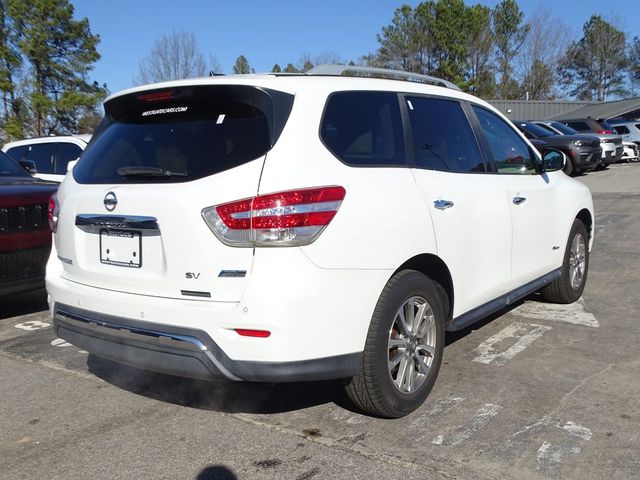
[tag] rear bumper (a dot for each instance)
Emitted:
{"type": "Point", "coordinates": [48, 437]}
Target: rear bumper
{"type": "Point", "coordinates": [182, 351]}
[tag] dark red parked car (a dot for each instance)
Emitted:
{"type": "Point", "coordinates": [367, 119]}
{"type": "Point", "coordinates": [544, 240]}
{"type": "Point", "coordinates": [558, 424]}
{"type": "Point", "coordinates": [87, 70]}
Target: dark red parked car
{"type": "Point", "coordinates": [25, 238]}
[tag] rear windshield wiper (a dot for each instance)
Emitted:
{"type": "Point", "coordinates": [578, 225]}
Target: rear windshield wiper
{"type": "Point", "coordinates": [133, 171]}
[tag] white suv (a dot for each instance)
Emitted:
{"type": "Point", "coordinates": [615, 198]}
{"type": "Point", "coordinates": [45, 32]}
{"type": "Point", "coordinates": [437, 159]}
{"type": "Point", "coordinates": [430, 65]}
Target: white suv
{"type": "Point", "coordinates": [304, 227]}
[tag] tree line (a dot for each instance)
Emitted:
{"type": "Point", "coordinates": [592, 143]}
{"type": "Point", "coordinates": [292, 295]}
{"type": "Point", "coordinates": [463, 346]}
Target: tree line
{"type": "Point", "coordinates": [46, 57]}
{"type": "Point", "coordinates": [495, 53]}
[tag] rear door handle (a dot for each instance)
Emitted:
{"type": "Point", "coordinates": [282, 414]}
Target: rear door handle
{"type": "Point", "coordinates": [442, 204]}
{"type": "Point", "coordinates": [519, 200]}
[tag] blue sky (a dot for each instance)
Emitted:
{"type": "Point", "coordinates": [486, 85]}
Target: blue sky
{"type": "Point", "coordinates": [279, 31]}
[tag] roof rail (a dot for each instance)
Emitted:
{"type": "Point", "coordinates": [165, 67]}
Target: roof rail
{"type": "Point", "coordinates": [373, 72]}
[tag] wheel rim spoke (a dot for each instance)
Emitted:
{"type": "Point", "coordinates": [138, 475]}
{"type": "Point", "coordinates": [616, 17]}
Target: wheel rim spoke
{"type": "Point", "coordinates": [426, 348]}
{"type": "Point", "coordinates": [417, 319]}
{"type": "Point", "coordinates": [421, 362]}
{"type": "Point", "coordinates": [402, 370]}
{"type": "Point", "coordinates": [395, 359]}
{"type": "Point", "coordinates": [425, 326]}
{"type": "Point", "coordinates": [401, 321]}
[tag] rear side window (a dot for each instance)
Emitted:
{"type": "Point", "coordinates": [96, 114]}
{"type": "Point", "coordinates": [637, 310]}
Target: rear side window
{"type": "Point", "coordinates": [442, 137]}
{"type": "Point", "coordinates": [183, 134]}
{"type": "Point", "coordinates": [17, 153]}
{"type": "Point", "coordinates": [364, 128]}
{"type": "Point", "coordinates": [621, 129]}
{"type": "Point", "coordinates": [66, 153]}
{"type": "Point", "coordinates": [579, 126]}
{"type": "Point", "coordinates": [42, 155]}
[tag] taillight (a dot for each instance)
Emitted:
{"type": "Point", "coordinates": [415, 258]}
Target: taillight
{"type": "Point", "coordinates": [53, 212]}
{"type": "Point", "coordinates": [292, 218]}
{"type": "Point", "coordinates": [608, 132]}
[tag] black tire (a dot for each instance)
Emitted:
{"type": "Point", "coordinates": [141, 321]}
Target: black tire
{"type": "Point", "coordinates": [373, 390]}
{"type": "Point", "coordinates": [562, 290]}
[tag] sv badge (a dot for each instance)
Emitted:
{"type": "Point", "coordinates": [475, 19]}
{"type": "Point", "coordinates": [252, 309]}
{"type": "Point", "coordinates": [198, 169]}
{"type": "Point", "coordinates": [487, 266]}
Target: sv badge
{"type": "Point", "coordinates": [191, 275]}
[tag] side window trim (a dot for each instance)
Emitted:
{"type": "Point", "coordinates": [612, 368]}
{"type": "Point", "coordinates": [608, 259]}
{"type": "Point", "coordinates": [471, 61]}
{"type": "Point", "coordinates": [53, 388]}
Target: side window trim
{"type": "Point", "coordinates": [470, 116]}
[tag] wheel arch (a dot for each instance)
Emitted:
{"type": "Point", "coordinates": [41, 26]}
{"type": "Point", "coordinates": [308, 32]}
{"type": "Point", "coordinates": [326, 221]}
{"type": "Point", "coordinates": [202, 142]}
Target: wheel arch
{"type": "Point", "coordinates": [585, 217]}
{"type": "Point", "coordinates": [433, 267]}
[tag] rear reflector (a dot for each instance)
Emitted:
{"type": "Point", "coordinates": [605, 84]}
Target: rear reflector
{"type": "Point", "coordinates": [253, 333]}
{"type": "Point", "coordinates": [53, 212]}
{"type": "Point", "coordinates": [291, 218]}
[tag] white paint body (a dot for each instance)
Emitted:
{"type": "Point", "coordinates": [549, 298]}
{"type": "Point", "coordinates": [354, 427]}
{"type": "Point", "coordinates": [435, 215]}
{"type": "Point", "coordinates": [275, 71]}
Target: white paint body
{"type": "Point", "coordinates": [316, 300]}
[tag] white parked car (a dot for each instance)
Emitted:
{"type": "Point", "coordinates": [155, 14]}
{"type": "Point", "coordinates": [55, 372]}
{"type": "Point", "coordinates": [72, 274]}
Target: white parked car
{"type": "Point", "coordinates": [48, 158]}
{"type": "Point", "coordinates": [631, 152]}
{"type": "Point", "coordinates": [628, 130]}
{"type": "Point", "coordinates": [303, 227]}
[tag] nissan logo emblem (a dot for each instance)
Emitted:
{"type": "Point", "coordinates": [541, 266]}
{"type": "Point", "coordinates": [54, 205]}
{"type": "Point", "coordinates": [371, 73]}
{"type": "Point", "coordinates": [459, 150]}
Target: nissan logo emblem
{"type": "Point", "coordinates": [110, 201]}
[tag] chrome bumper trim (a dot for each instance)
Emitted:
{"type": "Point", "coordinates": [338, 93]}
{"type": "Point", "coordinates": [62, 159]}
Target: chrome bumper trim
{"type": "Point", "coordinates": [183, 342]}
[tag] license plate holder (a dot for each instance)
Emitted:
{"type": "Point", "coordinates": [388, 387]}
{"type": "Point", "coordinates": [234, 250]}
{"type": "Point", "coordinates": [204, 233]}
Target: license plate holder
{"type": "Point", "coordinates": [121, 248]}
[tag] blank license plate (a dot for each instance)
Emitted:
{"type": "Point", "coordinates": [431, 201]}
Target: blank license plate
{"type": "Point", "coordinates": [122, 248]}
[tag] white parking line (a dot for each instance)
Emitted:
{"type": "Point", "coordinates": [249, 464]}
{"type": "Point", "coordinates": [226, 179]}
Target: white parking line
{"type": "Point", "coordinates": [574, 313]}
{"type": "Point", "coordinates": [551, 455]}
{"type": "Point", "coordinates": [525, 334]}
{"type": "Point", "coordinates": [474, 424]}
{"type": "Point", "coordinates": [424, 423]}
{"type": "Point", "coordinates": [32, 325]}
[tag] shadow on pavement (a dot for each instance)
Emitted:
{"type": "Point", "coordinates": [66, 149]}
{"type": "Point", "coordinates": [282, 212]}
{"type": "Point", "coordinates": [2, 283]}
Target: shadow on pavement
{"type": "Point", "coordinates": [23, 303]}
{"type": "Point", "coordinates": [452, 337]}
{"type": "Point", "coordinates": [229, 397]}
{"type": "Point", "coordinates": [216, 472]}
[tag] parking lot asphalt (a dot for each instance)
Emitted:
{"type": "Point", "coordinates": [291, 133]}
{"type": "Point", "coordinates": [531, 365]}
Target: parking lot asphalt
{"type": "Point", "coordinates": [538, 391]}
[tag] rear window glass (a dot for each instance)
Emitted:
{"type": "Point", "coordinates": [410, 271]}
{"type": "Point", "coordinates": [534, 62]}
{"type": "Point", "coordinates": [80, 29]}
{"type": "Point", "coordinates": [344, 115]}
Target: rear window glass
{"type": "Point", "coordinates": [364, 128]}
{"type": "Point", "coordinates": [42, 155]}
{"type": "Point", "coordinates": [579, 126]}
{"type": "Point", "coordinates": [17, 153]}
{"type": "Point", "coordinates": [621, 129]}
{"type": "Point", "coordinates": [66, 153]}
{"type": "Point", "coordinates": [183, 135]}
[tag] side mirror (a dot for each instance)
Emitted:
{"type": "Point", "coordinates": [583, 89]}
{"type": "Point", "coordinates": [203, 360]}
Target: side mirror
{"type": "Point", "coordinates": [553, 160]}
{"type": "Point", "coordinates": [72, 164]}
{"type": "Point", "coordinates": [29, 166]}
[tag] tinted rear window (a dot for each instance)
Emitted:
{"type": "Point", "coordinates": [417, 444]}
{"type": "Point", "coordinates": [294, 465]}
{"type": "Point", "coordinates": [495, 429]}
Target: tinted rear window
{"type": "Point", "coordinates": [564, 128]}
{"type": "Point", "coordinates": [183, 134]}
{"type": "Point", "coordinates": [579, 126]}
{"type": "Point", "coordinates": [364, 128]}
{"type": "Point", "coordinates": [42, 155]}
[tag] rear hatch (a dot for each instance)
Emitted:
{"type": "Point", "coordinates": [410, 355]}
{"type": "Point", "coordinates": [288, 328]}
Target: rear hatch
{"type": "Point", "coordinates": [131, 216]}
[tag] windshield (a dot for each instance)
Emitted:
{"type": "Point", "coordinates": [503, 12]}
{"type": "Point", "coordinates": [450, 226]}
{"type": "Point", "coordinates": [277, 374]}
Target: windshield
{"type": "Point", "coordinates": [565, 129]}
{"type": "Point", "coordinates": [9, 168]}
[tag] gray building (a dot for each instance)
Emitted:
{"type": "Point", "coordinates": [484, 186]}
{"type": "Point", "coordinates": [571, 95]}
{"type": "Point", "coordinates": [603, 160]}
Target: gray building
{"type": "Point", "coordinates": [561, 109]}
